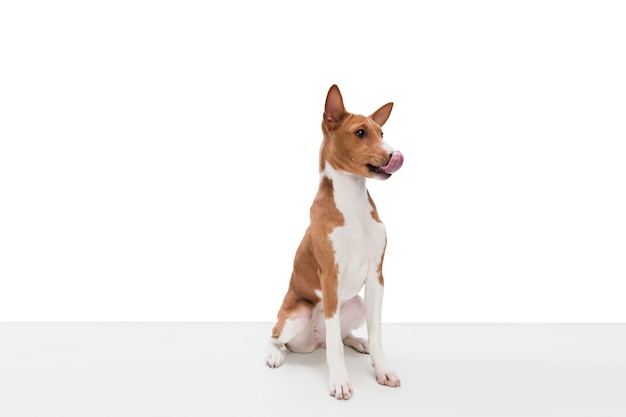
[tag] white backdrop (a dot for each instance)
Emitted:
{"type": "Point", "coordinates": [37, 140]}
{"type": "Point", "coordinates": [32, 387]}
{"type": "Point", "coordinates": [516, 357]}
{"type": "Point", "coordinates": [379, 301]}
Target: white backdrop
{"type": "Point", "coordinates": [158, 159]}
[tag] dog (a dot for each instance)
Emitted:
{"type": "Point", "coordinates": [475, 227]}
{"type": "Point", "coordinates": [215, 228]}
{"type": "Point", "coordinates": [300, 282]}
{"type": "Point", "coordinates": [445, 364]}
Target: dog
{"type": "Point", "coordinates": [342, 251]}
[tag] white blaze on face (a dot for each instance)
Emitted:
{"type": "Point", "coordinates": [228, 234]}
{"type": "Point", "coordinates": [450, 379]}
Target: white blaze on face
{"type": "Point", "coordinates": [384, 144]}
{"type": "Point", "coordinates": [396, 159]}
{"type": "Point", "coordinates": [387, 147]}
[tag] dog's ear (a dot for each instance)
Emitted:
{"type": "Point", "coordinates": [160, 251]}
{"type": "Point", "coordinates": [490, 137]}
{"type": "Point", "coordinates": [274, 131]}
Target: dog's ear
{"type": "Point", "coordinates": [381, 115]}
{"type": "Point", "coordinates": [334, 110]}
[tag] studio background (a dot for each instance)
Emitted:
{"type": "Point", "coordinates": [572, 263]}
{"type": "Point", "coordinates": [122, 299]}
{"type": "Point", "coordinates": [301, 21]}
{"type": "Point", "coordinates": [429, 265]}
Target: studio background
{"type": "Point", "coordinates": [158, 159]}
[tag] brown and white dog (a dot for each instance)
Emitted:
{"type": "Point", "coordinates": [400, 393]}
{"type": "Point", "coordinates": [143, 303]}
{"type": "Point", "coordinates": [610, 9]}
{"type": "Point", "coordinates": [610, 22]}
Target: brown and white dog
{"type": "Point", "coordinates": [342, 250]}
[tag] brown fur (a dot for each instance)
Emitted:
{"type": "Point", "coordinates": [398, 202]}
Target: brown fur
{"type": "Point", "coordinates": [314, 267]}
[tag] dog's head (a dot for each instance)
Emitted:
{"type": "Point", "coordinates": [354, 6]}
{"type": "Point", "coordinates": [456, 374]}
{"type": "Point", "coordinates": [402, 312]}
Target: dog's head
{"type": "Point", "coordinates": [354, 143]}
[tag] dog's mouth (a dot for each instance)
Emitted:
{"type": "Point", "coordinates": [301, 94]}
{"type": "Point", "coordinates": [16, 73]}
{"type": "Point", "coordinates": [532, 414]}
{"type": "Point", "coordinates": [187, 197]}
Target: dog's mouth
{"type": "Point", "coordinates": [395, 163]}
{"type": "Point", "coordinates": [376, 171]}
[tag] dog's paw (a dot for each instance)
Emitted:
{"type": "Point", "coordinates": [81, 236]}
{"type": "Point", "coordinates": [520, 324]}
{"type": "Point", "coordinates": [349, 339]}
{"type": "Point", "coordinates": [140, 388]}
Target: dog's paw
{"type": "Point", "coordinates": [357, 343]}
{"type": "Point", "coordinates": [387, 377]}
{"type": "Point", "coordinates": [340, 388]}
{"type": "Point", "coordinates": [274, 357]}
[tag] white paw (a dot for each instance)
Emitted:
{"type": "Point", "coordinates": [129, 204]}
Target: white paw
{"type": "Point", "coordinates": [387, 377]}
{"type": "Point", "coordinates": [357, 343]}
{"type": "Point", "coordinates": [340, 388]}
{"type": "Point", "coordinates": [274, 357]}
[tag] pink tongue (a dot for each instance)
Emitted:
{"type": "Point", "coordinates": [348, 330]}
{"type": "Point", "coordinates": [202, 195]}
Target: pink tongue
{"type": "Point", "coordinates": [395, 163]}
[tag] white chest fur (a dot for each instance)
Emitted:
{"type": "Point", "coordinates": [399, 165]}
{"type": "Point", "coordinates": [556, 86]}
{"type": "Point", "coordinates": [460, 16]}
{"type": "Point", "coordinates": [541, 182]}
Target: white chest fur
{"type": "Point", "coordinates": [360, 242]}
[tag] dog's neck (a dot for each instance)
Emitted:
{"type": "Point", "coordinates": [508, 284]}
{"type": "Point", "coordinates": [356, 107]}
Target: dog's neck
{"type": "Point", "coordinates": [349, 190]}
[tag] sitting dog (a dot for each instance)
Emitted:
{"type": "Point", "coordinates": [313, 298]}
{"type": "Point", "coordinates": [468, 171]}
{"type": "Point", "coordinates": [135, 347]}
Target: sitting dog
{"type": "Point", "coordinates": [342, 251]}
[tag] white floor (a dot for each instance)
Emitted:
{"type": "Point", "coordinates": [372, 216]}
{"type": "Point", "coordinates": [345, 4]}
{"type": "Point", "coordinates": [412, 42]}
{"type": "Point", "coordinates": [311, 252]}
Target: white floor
{"type": "Point", "coordinates": [199, 369]}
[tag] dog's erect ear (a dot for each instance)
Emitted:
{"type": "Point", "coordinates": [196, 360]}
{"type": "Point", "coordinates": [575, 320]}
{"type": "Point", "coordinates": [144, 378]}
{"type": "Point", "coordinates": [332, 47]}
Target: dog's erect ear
{"type": "Point", "coordinates": [381, 115]}
{"type": "Point", "coordinates": [334, 110]}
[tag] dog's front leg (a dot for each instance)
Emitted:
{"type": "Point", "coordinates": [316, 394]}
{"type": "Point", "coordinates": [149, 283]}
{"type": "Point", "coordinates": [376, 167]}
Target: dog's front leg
{"type": "Point", "coordinates": [374, 289]}
{"type": "Point", "coordinates": [339, 382]}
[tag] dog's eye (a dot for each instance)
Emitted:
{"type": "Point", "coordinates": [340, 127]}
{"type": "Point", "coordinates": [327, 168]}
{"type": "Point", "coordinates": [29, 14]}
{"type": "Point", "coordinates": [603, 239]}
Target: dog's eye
{"type": "Point", "coordinates": [360, 133]}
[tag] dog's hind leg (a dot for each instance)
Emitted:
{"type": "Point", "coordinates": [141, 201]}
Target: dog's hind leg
{"type": "Point", "coordinates": [291, 327]}
{"type": "Point", "coordinates": [352, 316]}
